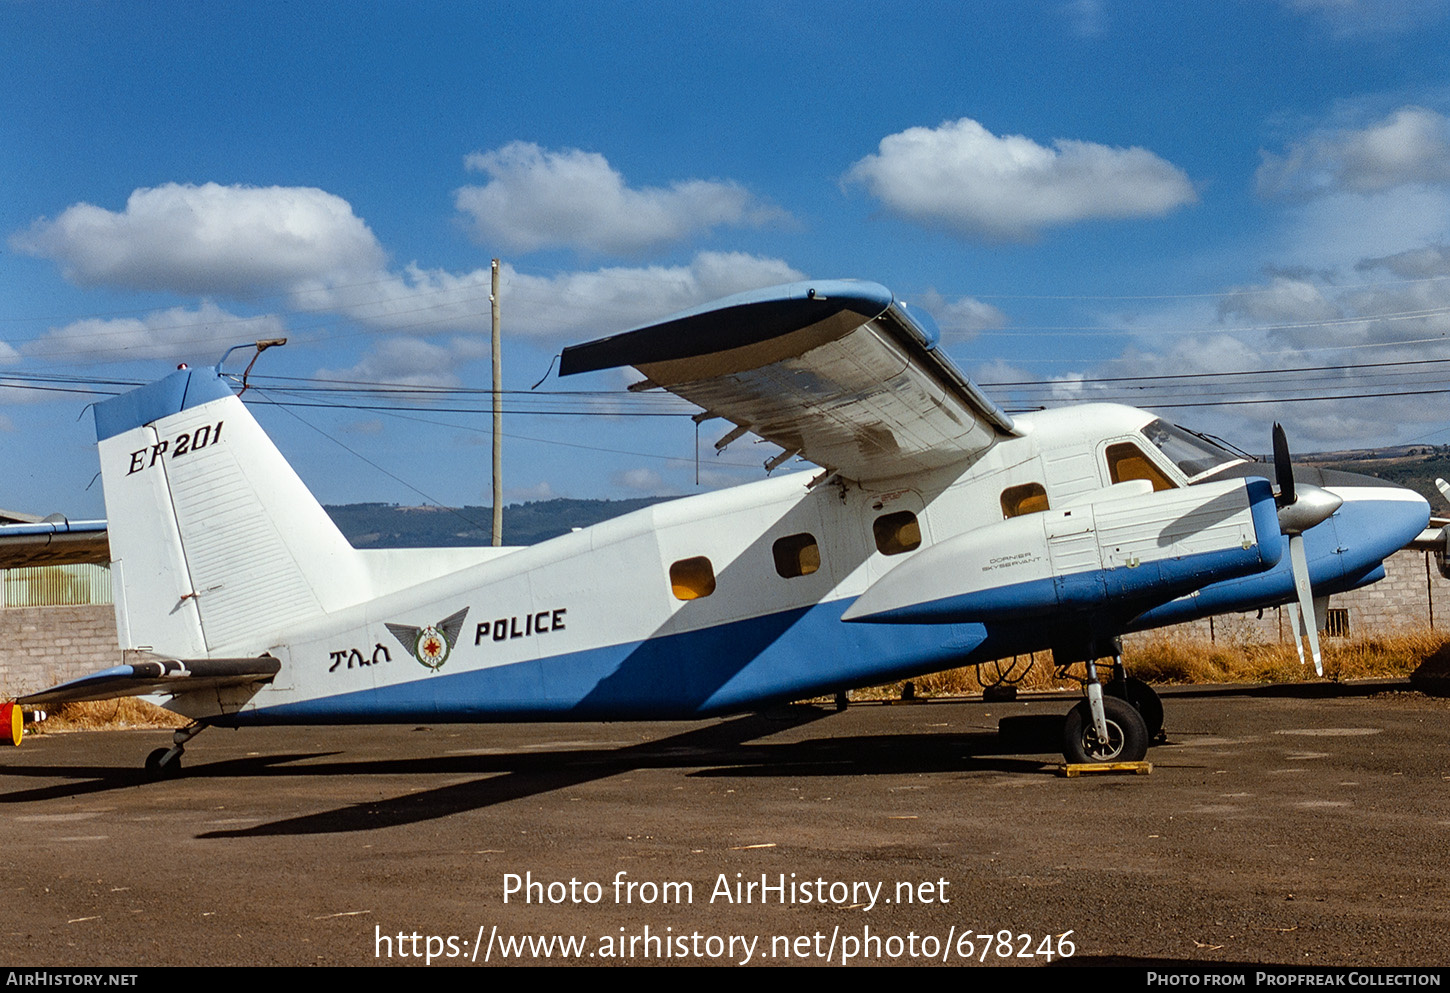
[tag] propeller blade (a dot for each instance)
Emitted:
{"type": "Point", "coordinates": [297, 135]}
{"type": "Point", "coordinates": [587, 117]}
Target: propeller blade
{"type": "Point", "coordinates": [1442, 554]}
{"type": "Point", "coordinates": [1297, 629]}
{"type": "Point", "coordinates": [1300, 564]}
{"type": "Point", "coordinates": [1283, 467]}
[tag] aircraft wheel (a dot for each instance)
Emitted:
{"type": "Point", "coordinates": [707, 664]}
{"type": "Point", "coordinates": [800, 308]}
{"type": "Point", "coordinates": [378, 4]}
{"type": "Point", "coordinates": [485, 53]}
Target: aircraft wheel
{"type": "Point", "coordinates": [1127, 735]}
{"type": "Point", "coordinates": [1144, 698]}
{"type": "Point", "coordinates": [158, 771]}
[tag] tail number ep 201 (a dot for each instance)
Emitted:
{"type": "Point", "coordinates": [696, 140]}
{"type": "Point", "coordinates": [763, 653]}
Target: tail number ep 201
{"type": "Point", "coordinates": [175, 448]}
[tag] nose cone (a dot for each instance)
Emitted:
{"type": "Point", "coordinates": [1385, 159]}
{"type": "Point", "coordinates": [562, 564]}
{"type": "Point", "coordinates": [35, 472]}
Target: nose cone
{"type": "Point", "coordinates": [1377, 519]}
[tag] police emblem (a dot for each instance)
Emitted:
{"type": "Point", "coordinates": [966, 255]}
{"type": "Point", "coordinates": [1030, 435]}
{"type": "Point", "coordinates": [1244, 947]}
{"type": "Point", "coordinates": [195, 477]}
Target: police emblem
{"type": "Point", "coordinates": [430, 645]}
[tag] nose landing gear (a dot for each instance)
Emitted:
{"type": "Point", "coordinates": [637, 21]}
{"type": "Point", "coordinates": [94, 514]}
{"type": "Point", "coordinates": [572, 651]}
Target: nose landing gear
{"type": "Point", "coordinates": [1125, 740]}
{"type": "Point", "coordinates": [1118, 719]}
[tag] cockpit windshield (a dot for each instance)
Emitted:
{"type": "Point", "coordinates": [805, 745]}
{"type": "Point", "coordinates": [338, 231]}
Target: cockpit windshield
{"type": "Point", "coordinates": [1194, 454]}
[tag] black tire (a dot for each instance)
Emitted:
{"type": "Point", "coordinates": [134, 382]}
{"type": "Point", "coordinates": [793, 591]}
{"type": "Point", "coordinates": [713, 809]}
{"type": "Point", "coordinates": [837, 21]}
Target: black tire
{"type": "Point", "coordinates": [1127, 735]}
{"type": "Point", "coordinates": [156, 770]}
{"type": "Point", "coordinates": [1143, 697]}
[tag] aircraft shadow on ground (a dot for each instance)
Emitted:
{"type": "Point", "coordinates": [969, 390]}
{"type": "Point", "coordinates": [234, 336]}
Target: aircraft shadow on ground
{"type": "Point", "coordinates": [83, 779]}
{"type": "Point", "coordinates": [721, 750]}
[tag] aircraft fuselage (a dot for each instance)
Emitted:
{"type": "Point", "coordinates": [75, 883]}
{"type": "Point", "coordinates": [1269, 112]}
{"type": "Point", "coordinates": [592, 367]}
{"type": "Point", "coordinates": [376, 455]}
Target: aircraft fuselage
{"type": "Point", "coordinates": [732, 599]}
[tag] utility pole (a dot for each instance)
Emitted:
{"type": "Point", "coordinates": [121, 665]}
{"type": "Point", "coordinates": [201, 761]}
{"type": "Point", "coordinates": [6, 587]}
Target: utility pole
{"type": "Point", "coordinates": [497, 416]}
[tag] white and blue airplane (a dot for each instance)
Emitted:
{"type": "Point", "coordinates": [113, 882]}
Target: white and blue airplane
{"type": "Point", "coordinates": [937, 532]}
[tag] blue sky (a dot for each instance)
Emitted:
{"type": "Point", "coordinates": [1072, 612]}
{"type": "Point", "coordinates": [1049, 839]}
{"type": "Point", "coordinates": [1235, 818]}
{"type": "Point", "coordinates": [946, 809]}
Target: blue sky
{"type": "Point", "coordinates": [1078, 191]}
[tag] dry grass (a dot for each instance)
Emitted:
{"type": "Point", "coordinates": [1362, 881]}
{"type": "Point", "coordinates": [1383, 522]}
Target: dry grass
{"type": "Point", "coordinates": [127, 712]}
{"type": "Point", "coordinates": [1162, 659]}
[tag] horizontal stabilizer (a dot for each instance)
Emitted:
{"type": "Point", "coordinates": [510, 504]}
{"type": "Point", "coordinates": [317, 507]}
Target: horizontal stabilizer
{"type": "Point", "coordinates": [169, 677]}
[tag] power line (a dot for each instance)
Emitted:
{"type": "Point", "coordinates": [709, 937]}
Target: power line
{"type": "Point", "coordinates": [1241, 372]}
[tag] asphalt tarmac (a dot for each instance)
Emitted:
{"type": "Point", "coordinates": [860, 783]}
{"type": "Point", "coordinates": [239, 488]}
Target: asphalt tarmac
{"type": "Point", "coordinates": [1301, 826]}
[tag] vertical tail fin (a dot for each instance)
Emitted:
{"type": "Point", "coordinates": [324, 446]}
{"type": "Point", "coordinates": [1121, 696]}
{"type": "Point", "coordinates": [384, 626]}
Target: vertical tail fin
{"type": "Point", "coordinates": [216, 544]}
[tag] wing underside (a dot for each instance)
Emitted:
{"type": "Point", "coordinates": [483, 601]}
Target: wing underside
{"type": "Point", "coordinates": [838, 372]}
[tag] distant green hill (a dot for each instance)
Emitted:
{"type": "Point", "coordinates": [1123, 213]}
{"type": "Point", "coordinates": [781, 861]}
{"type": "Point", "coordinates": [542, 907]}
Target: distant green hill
{"type": "Point", "coordinates": [1412, 466]}
{"type": "Point", "coordinates": [387, 525]}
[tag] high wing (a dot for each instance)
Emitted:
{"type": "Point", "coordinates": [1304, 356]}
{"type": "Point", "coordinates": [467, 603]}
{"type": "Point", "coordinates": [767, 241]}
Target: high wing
{"type": "Point", "coordinates": [53, 542]}
{"type": "Point", "coordinates": [837, 371]}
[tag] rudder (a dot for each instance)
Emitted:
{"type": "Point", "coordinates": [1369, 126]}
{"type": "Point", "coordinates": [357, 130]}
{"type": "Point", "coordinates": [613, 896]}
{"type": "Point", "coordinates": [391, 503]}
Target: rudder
{"type": "Point", "coordinates": [216, 544]}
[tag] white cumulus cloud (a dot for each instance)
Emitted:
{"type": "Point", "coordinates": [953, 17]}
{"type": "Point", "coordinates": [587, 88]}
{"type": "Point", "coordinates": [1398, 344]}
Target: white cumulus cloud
{"type": "Point", "coordinates": [639, 479]}
{"type": "Point", "coordinates": [406, 361]}
{"type": "Point", "coordinates": [1086, 17]}
{"type": "Point", "coordinates": [966, 180]}
{"type": "Point", "coordinates": [559, 307]}
{"type": "Point", "coordinates": [197, 336]}
{"type": "Point", "coordinates": [577, 305]}
{"type": "Point", "coordinates": [964, 315]}
{"type": "Point", "coordinates": [1409, 147]}
{"type": "Point", "coordinates": [525, 494]}
{"type": "Point", "coordinates": [1353, 18]}
{"type": "Point", "coordinates": [1287, 299]}
{"type": "Point", "coordinates": [209, 239]}
{"type": "Point", "coordinates": [1281, 344]}
{"type": "Point", "coordinates": [1429, 262]}
{"type": "Point", "coordinates": [536, 198]}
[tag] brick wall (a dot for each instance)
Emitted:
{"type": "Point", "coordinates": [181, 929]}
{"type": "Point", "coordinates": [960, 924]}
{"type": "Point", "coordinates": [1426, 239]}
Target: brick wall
{"type": "Point", "coordinates": [42, 646]}
{"type": "Point", "coordinates": [1413, 594]}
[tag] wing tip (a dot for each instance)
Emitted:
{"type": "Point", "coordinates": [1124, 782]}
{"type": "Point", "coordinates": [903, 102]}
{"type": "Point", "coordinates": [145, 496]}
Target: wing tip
{"type": "Point", "coordinates": [729, 322]}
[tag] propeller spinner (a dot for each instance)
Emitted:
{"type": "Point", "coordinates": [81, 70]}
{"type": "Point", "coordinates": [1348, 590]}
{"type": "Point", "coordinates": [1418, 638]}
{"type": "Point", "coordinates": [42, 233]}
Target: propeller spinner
{"type": "Point", "coordinates": [1300, 508]}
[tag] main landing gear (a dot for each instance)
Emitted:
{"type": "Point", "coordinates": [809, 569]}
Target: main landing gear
{"type": "Point", "coordinates": [1145, 701]}
{"type": "Point", "coordinates": [165, 763]}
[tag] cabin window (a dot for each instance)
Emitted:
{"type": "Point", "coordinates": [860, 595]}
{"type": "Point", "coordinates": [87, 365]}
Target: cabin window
{"type": "Point", "coordinates": [691, 579]}
{"type": "Point", "coordinates": [896, 533]}
{"type": "Point", "coordinates": [796, 555]}
{"type": "Point", "coordinates": [1126, 461]}
{"type": "Point", "coordinates": [1029, 498]}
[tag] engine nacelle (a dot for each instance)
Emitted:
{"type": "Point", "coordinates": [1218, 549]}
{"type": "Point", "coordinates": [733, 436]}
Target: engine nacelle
{"type": "Point", "coordinates": [1135, 551]}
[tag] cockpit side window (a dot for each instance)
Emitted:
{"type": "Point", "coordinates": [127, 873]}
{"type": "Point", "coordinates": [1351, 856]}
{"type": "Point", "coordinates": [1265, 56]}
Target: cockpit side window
{"type": "Point", "coordinates": [1126, 461]}
{"type": "Point", "coordinates": [1192, 453]}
